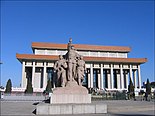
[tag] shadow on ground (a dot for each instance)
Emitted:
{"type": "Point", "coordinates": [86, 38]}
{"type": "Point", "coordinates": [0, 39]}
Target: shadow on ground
{"type": "Point", "coordinates": [36, 103]}
{"type": "Point", "coordinates": [46, 101]}
{"type": "Point", "coordinates": [34, 111]}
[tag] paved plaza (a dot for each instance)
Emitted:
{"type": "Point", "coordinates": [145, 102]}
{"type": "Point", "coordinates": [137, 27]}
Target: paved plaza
{"type": "Point", "coordinates": [115, 108]}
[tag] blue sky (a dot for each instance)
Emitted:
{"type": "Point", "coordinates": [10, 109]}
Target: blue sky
{"type": "Point", "coordinates": [110, 23]}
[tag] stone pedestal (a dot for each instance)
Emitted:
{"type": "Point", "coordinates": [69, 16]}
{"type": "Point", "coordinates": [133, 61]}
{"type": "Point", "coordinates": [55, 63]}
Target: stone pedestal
{"type": "Point", "coordinates": [71, 98]}
{"type": "Point", "coordinates": [72, 93]}
{"type": "Point", "coordinates": [53, 109]}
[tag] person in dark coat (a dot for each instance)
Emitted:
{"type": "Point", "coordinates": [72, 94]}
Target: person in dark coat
{"type": "Point", "coordinates": [146, 96]}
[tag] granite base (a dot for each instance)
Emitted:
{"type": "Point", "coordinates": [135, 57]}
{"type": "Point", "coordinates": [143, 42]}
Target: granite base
{"type": "Point", "coordinates": [53, 109]}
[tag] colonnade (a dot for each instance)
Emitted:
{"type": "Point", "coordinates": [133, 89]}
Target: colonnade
{"type": "Point", "coordinates": [113, 78]}
{"type": "Point", "coordinates": [41, 82]}
{"type": "Point", "coordinates": [100, 77]}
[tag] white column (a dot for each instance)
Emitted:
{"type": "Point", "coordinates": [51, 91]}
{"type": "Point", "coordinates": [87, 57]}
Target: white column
{"type": "Point", "coordinates": [112, 74]}
{"type": "Point", "coordinates": [91, 75]}
{"type": "Point", "coordinates": [44, 76]}
{"type": "Point", "coordinates": [127, 81]}
{"type": "Point", "coordinates": [122, 78]}
{"type": "Point", "coordinates": [131, 75]}
{"type": "Point", "coordinates": [109, 80]}
{"type": "Point", "coordinates": [99, 79]}
{"type": "Point", "coordinates": [135, 81]}
{"type": "Point", "coordinates": [89, 79]}
{"type": "Point", "coordinates": [139, 77]}
{"type": "Point", "coordinates": [102, 86]}
{"type": "Point", "coordinates": [33, 75]}
{"type": "Point", "coordinates": [24, 80]}
{"type": "Point", "coordinates": [118, 80]}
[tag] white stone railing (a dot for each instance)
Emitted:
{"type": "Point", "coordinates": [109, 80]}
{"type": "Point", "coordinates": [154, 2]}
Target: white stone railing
{"type": "Point", "coordinates": [18, 89]}
{"type": "Point", "coordinates": [83, 53]}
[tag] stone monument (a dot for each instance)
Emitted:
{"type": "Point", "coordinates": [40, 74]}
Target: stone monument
{"type": "Point", "coordinates": [70, 70]}
{"type": "Point", "coordinates": [69, 96]}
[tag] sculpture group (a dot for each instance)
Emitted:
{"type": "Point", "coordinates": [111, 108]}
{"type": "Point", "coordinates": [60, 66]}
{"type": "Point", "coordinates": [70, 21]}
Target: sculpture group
{"type": "Point", "coordinates": [70, 67]}
{"type": "Point", "coordinates": [69, 96]}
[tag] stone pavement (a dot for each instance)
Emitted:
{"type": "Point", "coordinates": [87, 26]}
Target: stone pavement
{"type": "Point", "coordinates": [127, 107]}
{"type": "Point", "coordinates": [115, 108]}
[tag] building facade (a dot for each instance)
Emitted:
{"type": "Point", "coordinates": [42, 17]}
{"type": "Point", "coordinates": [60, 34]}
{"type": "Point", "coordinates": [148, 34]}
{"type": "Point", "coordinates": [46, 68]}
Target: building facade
{"type": "Point", "coordinates": [108, 67]}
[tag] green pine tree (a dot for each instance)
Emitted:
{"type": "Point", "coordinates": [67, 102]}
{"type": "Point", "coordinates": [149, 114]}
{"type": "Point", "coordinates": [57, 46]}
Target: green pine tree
{"type": "Point", "coordinates": [130, 87]}
{"type": "Point", "coordinates": [29, 88]}
{"type": "Point", "coordinates": [48, 87]}
{"type": "Point", "coordinates": [8, 86]}
{"type": "Point", "coordinates": [148, 87]}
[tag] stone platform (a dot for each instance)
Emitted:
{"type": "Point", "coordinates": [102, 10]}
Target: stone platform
{"type": "Point", "coordinates": [70, 98]}
{"type": "Point", "coordinates": [53, 109]}
{"type": "Point", "coordinates": [72, 93]}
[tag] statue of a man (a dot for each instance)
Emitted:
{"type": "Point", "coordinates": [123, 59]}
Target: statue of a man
{"type": "Point", "coordinates": [81, 68]}
{"type": "Point", "coordinates": [60, 68]}
{"type": "Point", "coordinates": [70, 69]}
{"type": "Point", "coordinates": [72, 57]}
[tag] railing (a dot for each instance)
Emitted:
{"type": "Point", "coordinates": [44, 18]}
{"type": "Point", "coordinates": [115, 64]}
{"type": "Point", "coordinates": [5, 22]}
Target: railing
{"type": "Point", "coordinates": [23, 97]}
{"type": "Point", "coordinates": [122, 96]}
{"type": "Point", "coordinates": [110, 96]}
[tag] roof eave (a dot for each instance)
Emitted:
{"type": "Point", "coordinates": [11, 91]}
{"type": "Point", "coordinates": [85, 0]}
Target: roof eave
{"type": "Point", "coordinates": [40, 45]}
{"type": "Point", "coordinates": [22, 57]}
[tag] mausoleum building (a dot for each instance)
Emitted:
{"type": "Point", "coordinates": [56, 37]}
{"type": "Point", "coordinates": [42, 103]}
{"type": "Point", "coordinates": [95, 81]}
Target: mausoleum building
{"type": "Point", "coordinates": [108, 67]}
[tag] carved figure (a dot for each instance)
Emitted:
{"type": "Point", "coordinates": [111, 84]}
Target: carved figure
{"type": "Point", "coordinates": [72, 57]}
{"type": "Point", "coordinates": [60, 68]}
{"type": "Point", "coordinates": [81, 68]}
{"type": "Point", "coordinates": [69, 69]}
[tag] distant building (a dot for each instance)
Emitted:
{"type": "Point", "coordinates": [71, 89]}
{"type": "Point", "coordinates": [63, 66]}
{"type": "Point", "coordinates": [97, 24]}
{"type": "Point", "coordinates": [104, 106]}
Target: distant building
{"type": "Point", "coordinates": [108, 67]}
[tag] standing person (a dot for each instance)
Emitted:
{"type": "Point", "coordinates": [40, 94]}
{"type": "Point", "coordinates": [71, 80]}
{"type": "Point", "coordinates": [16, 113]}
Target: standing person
{"type": "Point", "coordinates": [146, 95]}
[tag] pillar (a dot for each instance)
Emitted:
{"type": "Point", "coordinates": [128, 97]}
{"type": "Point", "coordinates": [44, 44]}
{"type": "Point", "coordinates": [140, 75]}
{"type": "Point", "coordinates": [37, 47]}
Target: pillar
{"type": "Point", "coordinates": [99, 79]}
{"type": "Point", "coordinates": [24, 80]}
{"type": "Point", "coordinates": [44, 76]}
{"type": "Point", "coordinates": [127, 80]}
{"type": "Point", "coordinates": [33, 74]}
{"type": "Point", "coordinates": [135, 81]}
{"type": "Point", "coordinates": [122, 78]}
{"type": "Point", "coordinates": [91, 75]}
{"type": "Point", "coordinates": [89, 78]}
{"type": "Point", "coordinates": [139, 77]}
{"type": "Point", "coordinates": [102, 86]}
{"type": "Point", "coordinates": [131, 76]}
{"type": "Point", "coordinates": [112, 74]}
{"type": "Point", "coordinates": [118, 80]}
{"type": "Point", "coordinates": [109, 79]}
